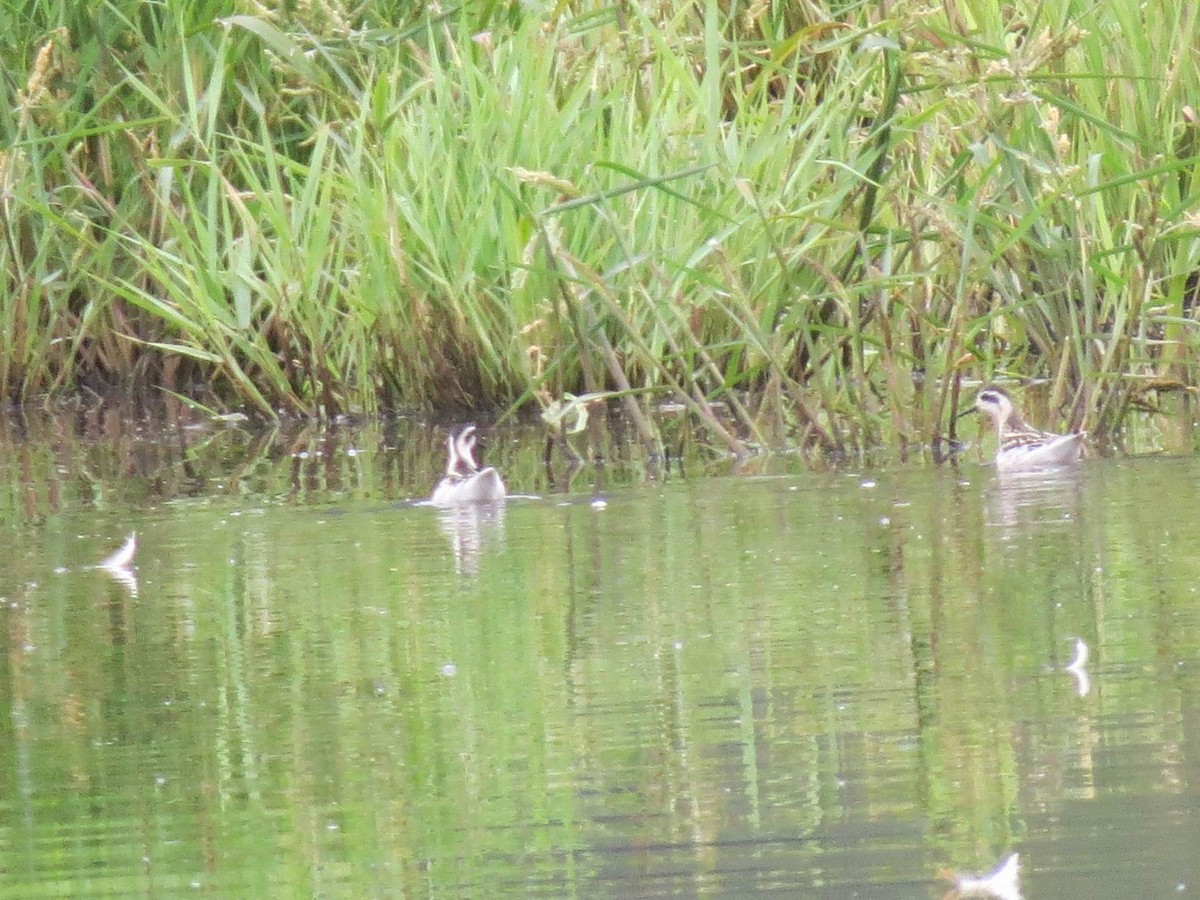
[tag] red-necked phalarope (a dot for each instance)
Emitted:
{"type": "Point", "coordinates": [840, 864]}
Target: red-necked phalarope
{"type": "Point", "coordinates": [465, 482]}
{"type": "Point", "coordinates": [1021, 446]}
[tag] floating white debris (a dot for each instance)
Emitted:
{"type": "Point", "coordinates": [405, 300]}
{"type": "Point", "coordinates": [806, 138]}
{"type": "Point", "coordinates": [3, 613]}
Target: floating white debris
{"type": "Point", "coordinates": [127, 578]}
{"type": "Point", "coordinates": [1003, 882]}
{"type": "Point", "coordinates": [1081, 655]}
{"type": "Point", "coordinates": [1078, 668]}
{"type": "Point", "coordinates": [599, 504]}
{"type": "Point", "coordinates": [449, 669]}
{"type": "Point", "coordinates": [119, 565]}
{"type": "Point", "coordinates": [123, 558]}
{"type": "Point", "coordinates": [1083, 681]}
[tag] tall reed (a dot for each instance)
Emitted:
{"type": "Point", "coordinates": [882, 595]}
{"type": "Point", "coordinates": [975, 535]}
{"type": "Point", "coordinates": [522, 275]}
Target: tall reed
{"type": "Point", "coordinates": [806, 222]}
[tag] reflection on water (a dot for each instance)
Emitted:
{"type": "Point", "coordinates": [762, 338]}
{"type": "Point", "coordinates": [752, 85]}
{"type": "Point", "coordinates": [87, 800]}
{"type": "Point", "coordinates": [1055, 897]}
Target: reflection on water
{"type": "Point", "coordinates": [824, 685]}
{"type": "Point", "coordinates": [467, 526]}
{"type": "Point", "coordinates": [1035, 498]}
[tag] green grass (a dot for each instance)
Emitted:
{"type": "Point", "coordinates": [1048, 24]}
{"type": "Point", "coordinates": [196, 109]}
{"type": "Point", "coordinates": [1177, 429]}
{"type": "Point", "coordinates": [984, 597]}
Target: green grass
{"type": "Point", "coordinates": [825, 220]}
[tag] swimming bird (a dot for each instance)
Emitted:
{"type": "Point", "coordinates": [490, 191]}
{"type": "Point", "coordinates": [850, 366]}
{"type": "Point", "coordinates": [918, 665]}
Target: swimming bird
{"type": "Point", "coordinates": [1023, 447]}
{"type": "Point", "coordinates": [464, 481]}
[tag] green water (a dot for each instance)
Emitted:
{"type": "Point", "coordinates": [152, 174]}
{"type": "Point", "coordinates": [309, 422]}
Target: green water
{"type": "Point", "coordinates": [824, 684]}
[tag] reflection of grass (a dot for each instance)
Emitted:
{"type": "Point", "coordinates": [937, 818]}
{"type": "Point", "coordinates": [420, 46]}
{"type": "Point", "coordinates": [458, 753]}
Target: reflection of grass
{"type": "Point", "coordinates": [309, 211]}
{"type": "Point", "coordinates": [110, 459]}
{"type": "Point", "coordinates": [693, 673]}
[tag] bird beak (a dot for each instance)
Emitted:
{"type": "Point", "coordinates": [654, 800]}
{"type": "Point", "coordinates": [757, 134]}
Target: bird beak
{"type": "Point", "coordinates": [965, 412]}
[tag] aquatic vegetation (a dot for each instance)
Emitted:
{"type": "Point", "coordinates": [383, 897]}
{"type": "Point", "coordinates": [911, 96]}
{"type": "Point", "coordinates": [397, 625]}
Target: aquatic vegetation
{"type": "Point", "coordinates": [806, 223]}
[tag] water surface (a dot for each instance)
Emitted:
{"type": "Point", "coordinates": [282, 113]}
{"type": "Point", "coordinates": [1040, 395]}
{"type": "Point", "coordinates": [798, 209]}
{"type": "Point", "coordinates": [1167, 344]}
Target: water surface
{"type": "Point", "coordinates": [822, 684]}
